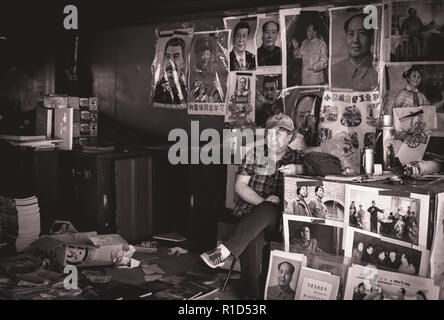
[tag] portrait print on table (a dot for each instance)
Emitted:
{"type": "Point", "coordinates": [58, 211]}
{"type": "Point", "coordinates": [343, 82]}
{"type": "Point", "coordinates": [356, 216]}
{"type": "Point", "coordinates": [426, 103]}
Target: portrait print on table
{"type": "Point", "coordinates": [242, 45]}
{"type": "Point", "coordinates": [415, 85]}
{"type": "Point", "coordinates": [268, 41]}
{"type": "Point", "coordinates": [366, 248]}
{"type": "Point", "coordinates": [417, 31]}
{"type": "Point", "coordinates": [314, 198]}
{"type": "Point", "coordinates": [365, 283]}
{"type": "Point", "coordinates": [303, 105]}
{"type": "Point", "coordinates": [312, 236]}
{"type": "Point", "coordinates": [268, 97]}
{"type": "Point", "coordinates": [241, 97]}
{"type": "Point", "coordinates": [171, 69]}
{"type": "Point", "coordinates": [349, 116]}
{"type": "Point", "coordinates": [283, 273]}
{"type": "Point", "coordinates": [208, 73]}
{"type": "Point", "coordinates": [354, 49]}
{"type": "Point", "coordinates": [401, 218]}
{"type": "Point", "coordinates": [306, 36]}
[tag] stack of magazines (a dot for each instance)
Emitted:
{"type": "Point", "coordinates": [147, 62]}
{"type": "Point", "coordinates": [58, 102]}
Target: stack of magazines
{"type": "Point", "coordinates": [21, 221]}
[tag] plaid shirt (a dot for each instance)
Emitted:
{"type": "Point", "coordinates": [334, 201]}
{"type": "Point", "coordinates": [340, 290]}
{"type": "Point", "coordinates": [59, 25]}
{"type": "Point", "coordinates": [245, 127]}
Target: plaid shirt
{"type": "Point", "coordinates": [265, 185]}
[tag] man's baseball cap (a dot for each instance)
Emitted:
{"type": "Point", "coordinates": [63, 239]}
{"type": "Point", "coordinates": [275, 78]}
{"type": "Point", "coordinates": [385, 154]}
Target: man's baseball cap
{"type": "Point", "coordinates": [280, 121]}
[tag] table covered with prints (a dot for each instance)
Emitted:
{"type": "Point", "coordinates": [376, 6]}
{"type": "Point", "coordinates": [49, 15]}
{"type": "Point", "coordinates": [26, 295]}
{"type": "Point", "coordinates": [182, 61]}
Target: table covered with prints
{"type": "Point", "coordinates": [361, 240]}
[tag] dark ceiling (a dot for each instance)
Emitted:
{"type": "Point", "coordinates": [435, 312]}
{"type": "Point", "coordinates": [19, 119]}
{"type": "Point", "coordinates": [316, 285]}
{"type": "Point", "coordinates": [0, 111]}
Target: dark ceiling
{"type": "Point", "coordinates": [46, 16]}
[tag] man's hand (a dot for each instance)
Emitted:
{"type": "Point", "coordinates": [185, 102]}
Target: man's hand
{"type": "Point", "coordinates": [274, 199]}
{"type": "Point", "coordinates": [289, 169]}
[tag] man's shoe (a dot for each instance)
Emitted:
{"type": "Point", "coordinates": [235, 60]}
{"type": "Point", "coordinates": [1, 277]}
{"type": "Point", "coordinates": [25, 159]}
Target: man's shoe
{"type": "Point", "coordinates": [213, 258]}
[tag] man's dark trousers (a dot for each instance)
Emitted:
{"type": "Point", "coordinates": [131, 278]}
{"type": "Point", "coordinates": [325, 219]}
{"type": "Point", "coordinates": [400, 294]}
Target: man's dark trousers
{"type": "Point", "coordinates": [247, 243]}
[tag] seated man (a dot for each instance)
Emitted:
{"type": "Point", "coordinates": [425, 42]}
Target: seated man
{"type": "Point", "coordinates": [261, 193]}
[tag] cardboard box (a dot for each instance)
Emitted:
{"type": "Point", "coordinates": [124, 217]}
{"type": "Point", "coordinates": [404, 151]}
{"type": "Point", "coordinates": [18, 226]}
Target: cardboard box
{"type": "Point", "coordinates": [55, 101]}
{"type": "Point", "coordinates": [74, 102]}
{"type": "Point", "coordinates": [87, 249]}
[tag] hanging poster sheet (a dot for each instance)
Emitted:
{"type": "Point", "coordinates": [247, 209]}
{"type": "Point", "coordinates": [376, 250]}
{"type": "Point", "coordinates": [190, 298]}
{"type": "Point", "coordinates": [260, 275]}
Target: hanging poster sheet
{"type": "Point", "coordinates": [354, 60]}
{"type": "Point", "coordinates": [306, 35]}
{"type": "Point", "coordinates": [241, 97]}
{"type": "Point", "coordinates": [400, 218]}
{"type": "Point", "coordinates": [268, 41]}
{"type": "Point", "coordinates": [242, 44]}
{"type": "Point", "coordinates": [366, 248]}
{"type": "Point", "coordinates": [316, 285]}
{"type": "Point", "coordinates": [413, 129]}
{"type": "Point", "coordinates": [437, 257]}
{"type": "Point", "coordinates": [170, 69]}
{"type": "Point", "coordinates": [314, 198]}
{"type": "Point", "coordinates": [417, 32]}
{"type": "Point", "coordinates": [268, 99]}
{"type": "Point", "coordinates": [413, 85]}
{"type": "Point", "coordinates": [283, 273]}
{"type": "Point", "coordinates": [351, 118]}
{"type": "Point", "coordinates": [208, 73]}
{"type": "Point", "coordinates": [366, 283]}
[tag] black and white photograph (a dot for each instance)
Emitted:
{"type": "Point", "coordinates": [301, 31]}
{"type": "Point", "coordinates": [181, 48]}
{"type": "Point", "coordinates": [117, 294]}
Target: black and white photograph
{"type": "Point", "coordinates": [365, 249]}
{"type": "Point", "coordinates": [208, 73]}
{"type": "Point", "coordinates": [268, 97]}
{"type": "Point", "coordinates": [364, 283]}
{"type": "Point", "coordinates": [221, 150]}
{"type": "Point", "coordinates": [242, 45]}
{"type": "Point", "coordinates": [314, 198]}
{"type": "Point", "coordinates": [417, 31]}
{"type": "Point", "coordinates": [354, 50]}
{"type": "Point", "coordinates": [307, 47]}
{"type": "Point", "coordinates": [402, 218]}
{"type": "Point", "coordinates": [171, 70]}
{"type": "Point", "coordinates": [311, 238]}
{"type": "Point", "coordinates": [268, 41]}
{"type": "Point", "coordinates": [283, 274]}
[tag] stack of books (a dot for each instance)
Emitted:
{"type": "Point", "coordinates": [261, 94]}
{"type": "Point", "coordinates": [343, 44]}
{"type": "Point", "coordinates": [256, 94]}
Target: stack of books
{"type": "Point", "coordinates": [21, 221]}
{"type": "Point", "coordinates": [36, 142]}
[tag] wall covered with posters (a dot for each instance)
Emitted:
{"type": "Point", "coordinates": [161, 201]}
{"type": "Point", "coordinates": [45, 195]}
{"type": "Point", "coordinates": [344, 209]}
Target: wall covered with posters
{"type": "Point", "coordinates": [300, 48]}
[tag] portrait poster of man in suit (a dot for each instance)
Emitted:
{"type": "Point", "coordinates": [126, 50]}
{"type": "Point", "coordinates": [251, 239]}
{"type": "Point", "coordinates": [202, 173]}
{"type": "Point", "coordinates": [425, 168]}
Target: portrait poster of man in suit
{"type": "Point", "coordinates": [242, 46]}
